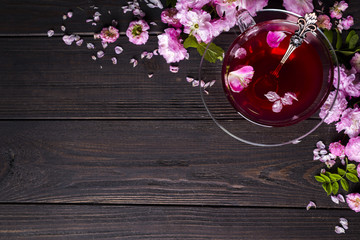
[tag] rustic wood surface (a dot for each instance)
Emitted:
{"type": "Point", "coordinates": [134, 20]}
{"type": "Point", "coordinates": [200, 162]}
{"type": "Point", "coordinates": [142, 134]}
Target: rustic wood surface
{"type": "Point", "coordinates": [92, 150]}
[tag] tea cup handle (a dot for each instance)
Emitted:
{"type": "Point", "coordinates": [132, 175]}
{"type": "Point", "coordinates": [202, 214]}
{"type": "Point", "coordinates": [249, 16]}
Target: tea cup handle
{"type": "Point", "coordinates": [244, 20]}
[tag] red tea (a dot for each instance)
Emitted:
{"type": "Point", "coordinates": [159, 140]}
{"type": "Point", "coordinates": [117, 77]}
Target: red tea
{"type": "Point", "coordinates": [301, 75]}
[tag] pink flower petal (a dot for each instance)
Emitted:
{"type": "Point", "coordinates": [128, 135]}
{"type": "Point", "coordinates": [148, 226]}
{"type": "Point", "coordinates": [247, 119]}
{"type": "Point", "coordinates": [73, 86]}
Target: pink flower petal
{"type": "Point", "coordinates": [150, 75]}
{"type": "Point", "coordinates": [155, 52]}
{"type": "Point", "coordinates": [240, 79]}
{"type": "Point", "coordinates": [118, 49]}
{"type": "Point", "coordinates": [93, 57]}
{"type": "Point", "coordinates": [310, 205]}
{"type": "Point", "coordinates": [63, 28]}
{"type": "Point", "coordinates": [50, 33]}
{"type": "Point", "coordinates": [100, 54]}
{"type": "Point", "coordinates": [274, 39]}
{"type": "Point", "coordinates": [143, 54]}
{"type": "Point", "coordinates": [69, 14]}
{"type": "Point", "coordinates": [212, 83]}
{"type": "Point", "coordinates": [104, 45]}
{"type": "Point", "coordinates": [64, 17]}
{"type": "Point", "coordinates": [288, 98]}
{"type": "Point", "coordinates": [189, 79]}
{"type": "Point", "coordinates": [90, 46]}
{"type": "Point", "coordinates": [341, 198]}
{"type": "Point", "coordinates": [240, 53]}
{"type": "Point", "coordinates": [344, 223]}
{"type": "Point", "coordinates": [174, 69]}
{"type": "Point", "coordinates": [277, 106]}
{"type": "Point", "coordinates": [339, 230]}
{"type": "Point", "coordinates": [149, 55]}
{"type": "Point", "coordinates": [134, 62]}
{"type": "Point", "coordinates": [68, 39]}
{"type": "Point", "coordinates": [114, 60]}
{"type": "Point", "coordinates": [320, 145]}
{"type": "Point", "coordinates": [79, 42]}
{"type": "Point", "coordinates": [195, 83]}
{"type": "Point", "coordinates": [335, 199]}
{"type": "Point", "coordinates": [272, 96]}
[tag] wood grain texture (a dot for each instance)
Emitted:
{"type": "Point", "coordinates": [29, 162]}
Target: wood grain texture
{"type": "Point", "coordinates": [153, 162]}
{"type": "Point", "coordinates": [52, 222]}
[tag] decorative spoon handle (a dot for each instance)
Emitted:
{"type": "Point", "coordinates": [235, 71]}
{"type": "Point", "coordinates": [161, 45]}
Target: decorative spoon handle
{"type": "Point", "coordinates": [306, 24]}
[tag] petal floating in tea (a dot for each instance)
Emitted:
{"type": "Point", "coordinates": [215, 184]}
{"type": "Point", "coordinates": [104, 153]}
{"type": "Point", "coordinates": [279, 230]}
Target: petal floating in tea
{"type": "Point", "coordinates": [277, 106]}
{"type": "Point", "coordinates": [274, 39]}
{"type": "Point", "coordinates": [288, 98]}
{"type": "Point", "coordinates": [240, 53]}
{"type": "Point", "coordinates": [272, 96]}
{"type": "Point", "coordinates": [240, 79]}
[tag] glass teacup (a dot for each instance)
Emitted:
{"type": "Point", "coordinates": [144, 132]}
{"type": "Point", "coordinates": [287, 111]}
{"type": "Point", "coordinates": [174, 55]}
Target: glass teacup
{"type": "Point", "coordinates": [275, 102]}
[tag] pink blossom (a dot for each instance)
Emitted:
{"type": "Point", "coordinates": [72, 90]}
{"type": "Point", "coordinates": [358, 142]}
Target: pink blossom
{"type": "Point", "coordinates": [323, 21]}
{"type": "Point", "coordinates": [337, 10]}
{"type": "Point", "coordinates": [240, 78]}
{"type": "Point", "coordinates": [337, 149]}
{"type": "Point", "coordinates": [347, 22]}
{"type": "Point", "coordinates": [358, 170]}
{"type": "Point", "coordinates": [223, 24]}
{"type": "Point", "coordinates": [348, 85]}
{"type": "Point", "coordinates": [352, 149]}
{"type": "Point", "coordinates": [226, 6]}
{"type": "Point", "coordinates": [339, 106]}
{"type": "Point", "coordinates": [353, 200]}
{"type": "Point", "coordinates": [355, 62]}
{"type": "Point", "coordinates": [109, 35]}
{"type": "Point", "coordinates": [274, 39]}
{"type": "Point", "coordinates": [168, 16]}
{"type": "Point", "coordinates": [350, 122]}
{"type": "Point", "coordinates": [170, 46]}
{"type": "Point", "coordinates": [137, 32]}
{"type": "Point", "coordinates": [197, 23]}
{"type": "Point", "coordinates": [185, 5]}
{"type": "Point", "coordinates": [300, 7]}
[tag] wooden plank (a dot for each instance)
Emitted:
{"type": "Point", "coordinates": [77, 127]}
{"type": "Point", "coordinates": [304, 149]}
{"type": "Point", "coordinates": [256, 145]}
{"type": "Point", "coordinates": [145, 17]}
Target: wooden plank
{"type": "Point", "coordinates": [44, 78]}
{"type": "Point", "coordinates": [25, 17]}
{"type": "Point", "coordinates": [153, 162]}
{"type": "Point", "coordinates": [169, 222]}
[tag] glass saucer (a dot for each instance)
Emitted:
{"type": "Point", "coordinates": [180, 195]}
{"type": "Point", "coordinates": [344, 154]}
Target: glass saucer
{"type": "Point", "coordinates": [229, 119]}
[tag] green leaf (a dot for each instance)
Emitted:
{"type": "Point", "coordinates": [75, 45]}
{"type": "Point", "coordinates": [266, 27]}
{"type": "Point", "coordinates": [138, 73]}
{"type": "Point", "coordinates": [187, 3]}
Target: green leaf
{"type": "Point", "coordinates": [338, 40]}
{"type": "Point", "coordinates": [319, 179]}
{"type": "Point", "coordinates": [350, 166]}
{"type": "Point", "coordinates": [352, 171]}
{"type": "Point", "coordinates": [326, 178]}
{"type": "Point", "coordinates": [213, 52]}
{"type": "Point", "coordinates": [352, 177]}
{"type": "Point", "coordinates": [353, 41]}
{"type": "Point", "coordinates": [335, 188]}
{"type": "Point", "coordinates": [327, 187]}
{"type": "Point", "coordinates": [348, 37]}
{"type": "Point", "coordinates": [335, 177]}
{"type": "Point", "coordinates": [344, 184]}
{"type": "Point", "coordinates": [191, 41]}
{"type": "Point", "coordinates": [329, 35]}
{"type": "Point", "coordinates": [341, 171]}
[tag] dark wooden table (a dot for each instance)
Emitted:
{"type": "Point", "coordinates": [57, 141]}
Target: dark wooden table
{"type": "Point", "coordinates": [91, 153]}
